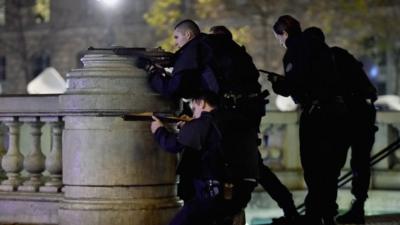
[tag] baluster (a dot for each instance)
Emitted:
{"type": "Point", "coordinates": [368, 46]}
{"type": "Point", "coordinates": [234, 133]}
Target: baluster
{"type": "Point", "coordinates": [54, 159]}
{"type": "Point", "coordinates": [34, 161]}
{"type": "Point", "coordinates": [2, 149]}
{"type": "Point", "coordinates": [12, 161]}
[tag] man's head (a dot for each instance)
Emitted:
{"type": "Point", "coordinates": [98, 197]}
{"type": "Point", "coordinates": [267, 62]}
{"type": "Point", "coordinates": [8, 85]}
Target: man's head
{"type": "Point", "coordinates": [315, 32]}
{"type": "Point", "coordinates": [185, 31]}
{"type": "Point", "coordinates": [221, 30]}
{"type": "Point", "coordinates": [204, 102]}
{"type": "Point", "coordinates": [284, 27]}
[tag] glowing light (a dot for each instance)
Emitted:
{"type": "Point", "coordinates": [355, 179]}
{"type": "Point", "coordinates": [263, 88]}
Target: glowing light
{"type": "Point", "coordinates": [110, 3]}
{"type": "Point", "coordinates": [374, 71]}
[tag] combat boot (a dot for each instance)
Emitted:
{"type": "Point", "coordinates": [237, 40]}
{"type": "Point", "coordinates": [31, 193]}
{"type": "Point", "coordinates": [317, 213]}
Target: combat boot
{"type": "Point", "coordinates": [355, 215]}
{"type": "Point", "coordinates": [329, 221]}
{"type": "Point", "coordinates": [286, 220]}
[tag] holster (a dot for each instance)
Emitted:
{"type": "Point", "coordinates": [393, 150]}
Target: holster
{"type": "Point", "coordinates": [207, 189]}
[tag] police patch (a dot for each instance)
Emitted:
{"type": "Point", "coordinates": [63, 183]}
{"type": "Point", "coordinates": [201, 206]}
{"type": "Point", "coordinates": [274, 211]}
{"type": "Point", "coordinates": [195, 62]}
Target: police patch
{"type": "Point", "coordinates": [289, 67]}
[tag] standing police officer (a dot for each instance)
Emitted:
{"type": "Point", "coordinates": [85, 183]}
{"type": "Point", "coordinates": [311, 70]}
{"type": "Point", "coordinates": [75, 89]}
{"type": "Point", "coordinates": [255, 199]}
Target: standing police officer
{"type": "Point", "coordinates": [268, 180]}
{"type": "Point", "coordinates": [310, 81]}
{"type": "Point", "coordinates": [359, 97]}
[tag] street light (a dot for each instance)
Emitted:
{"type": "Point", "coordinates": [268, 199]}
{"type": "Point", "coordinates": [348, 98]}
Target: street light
{"type": "Point", "coordinates": [109, 3]}
{"type": "Point", "coordinates": [110, 7]}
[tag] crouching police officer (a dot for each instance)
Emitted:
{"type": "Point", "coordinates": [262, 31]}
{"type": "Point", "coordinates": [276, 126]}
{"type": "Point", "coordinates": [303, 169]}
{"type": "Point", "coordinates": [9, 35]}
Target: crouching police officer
{"type": "Point", "coordinates": [222, 180]}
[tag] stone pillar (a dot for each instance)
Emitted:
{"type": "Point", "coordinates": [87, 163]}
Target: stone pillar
{"type": "Point", "coordinates": [113, 172]}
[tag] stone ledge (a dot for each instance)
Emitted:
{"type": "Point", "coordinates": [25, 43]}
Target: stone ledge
{"type": "Point", "coordinates": [29, 208]}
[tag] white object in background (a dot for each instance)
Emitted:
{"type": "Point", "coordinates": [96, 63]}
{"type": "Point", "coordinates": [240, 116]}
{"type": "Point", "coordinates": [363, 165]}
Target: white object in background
{"type": "Point", "coordinates": [392, 102]}
{"type": "Point", "coordinates": [49, 81]}
{"type": "Point", "coordinates": [285, 103]}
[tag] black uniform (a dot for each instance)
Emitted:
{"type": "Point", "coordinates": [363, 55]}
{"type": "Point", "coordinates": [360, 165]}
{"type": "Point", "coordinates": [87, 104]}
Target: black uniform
{"type": "Point", "coordinates": [218, 64]}
{"type": "Point", "coordinates": [359, 97]}
{"type": "Point", "coordinates": [311, 81]}
{"type": "Point", "coordinates": [191, 73]}
{"type": "Point", "coordinates": [205, 165]}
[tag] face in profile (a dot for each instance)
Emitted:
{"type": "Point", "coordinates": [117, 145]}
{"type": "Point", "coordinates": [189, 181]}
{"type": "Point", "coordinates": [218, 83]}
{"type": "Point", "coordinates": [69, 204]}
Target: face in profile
{"type": "Point", "coordinates": [281, 38]}
{"type": "Point", "coordinates": [197, 107]}
{"type": "Point", "coordinates": [180, 37]}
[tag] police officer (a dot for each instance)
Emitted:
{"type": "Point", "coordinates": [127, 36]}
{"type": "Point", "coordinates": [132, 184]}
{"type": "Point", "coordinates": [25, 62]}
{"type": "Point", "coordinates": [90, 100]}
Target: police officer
{"type": "Point", "coordinates": [310, 81]}
{"type": "Point", "coordinates": [359, 97]}
{"type": "Point", "coordinates": [209, 63]}
{"type": "Point", "coordinates": [191, 72]}
{"type": "Point", "coordinates": [268, 180]}
{"type": "Point", "coordinates": [218, 194]}
{"type": "Point", "coordinates": [202, 65]}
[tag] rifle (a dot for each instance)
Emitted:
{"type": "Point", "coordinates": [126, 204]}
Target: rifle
{"type": "Point", "coordinates": [147, 116]}
{"type": "Point", "coordinates": [154, 55]}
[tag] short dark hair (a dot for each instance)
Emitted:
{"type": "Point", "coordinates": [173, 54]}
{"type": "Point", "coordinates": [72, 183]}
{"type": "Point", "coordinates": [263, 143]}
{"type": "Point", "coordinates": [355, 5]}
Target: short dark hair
{"type": "Point", "coordinates": [315, 32]}
{"type": "Point", "coordinates": [188, 25]}
{"type": "Point", "coordinates": [287, 23]}
{"type": "Point", "coordinates": [210, 97]}
{"type": "Point", "coordinates": [221, 30]}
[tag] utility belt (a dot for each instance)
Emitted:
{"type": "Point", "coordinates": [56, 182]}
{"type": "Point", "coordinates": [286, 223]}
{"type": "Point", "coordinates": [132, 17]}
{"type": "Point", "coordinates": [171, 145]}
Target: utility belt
{"type": "Point", "coordinates": [312, 105]}
{"type": "Point", "coordinates": [211, 189]}
{"type": "Point", "coordinates": [354, 97]}
{"type": "Point", "coordinates": [231, 100]}
{"type": "Point", "coordinates": [328, 101]}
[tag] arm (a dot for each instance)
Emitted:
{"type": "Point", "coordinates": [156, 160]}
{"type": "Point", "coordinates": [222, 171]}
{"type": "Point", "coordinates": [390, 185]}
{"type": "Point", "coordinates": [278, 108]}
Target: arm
{"type": "Point", "coordinates": [180, 83]}
{"type": "Point", "coordinates": [297, 67]}
{"type": "Point", "coordinates": [167, 140]}
{"type": "Point", "coordinates": [280, 86]}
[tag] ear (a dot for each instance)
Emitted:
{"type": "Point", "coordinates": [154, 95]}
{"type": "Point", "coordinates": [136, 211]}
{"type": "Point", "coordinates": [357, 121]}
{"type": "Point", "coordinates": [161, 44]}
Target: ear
{"type": "Point", "coordinates": [285, 34]}
{"type": "Point", "coordinates": [188, 35]}
{"type": "Point", "coordinates": [203, 104]}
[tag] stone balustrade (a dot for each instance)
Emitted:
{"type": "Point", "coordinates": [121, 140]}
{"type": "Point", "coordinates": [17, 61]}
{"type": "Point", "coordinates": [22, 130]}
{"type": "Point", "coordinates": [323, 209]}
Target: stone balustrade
{"type": "Point", "coordinates": [280, 149]}
{"type": "Point", "coordinates": [31, 113]}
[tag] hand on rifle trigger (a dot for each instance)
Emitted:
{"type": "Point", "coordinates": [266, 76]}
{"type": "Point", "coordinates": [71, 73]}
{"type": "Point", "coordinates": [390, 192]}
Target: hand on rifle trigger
{"type": "Point", "coordinates": [155, 124]}
{"type": "Point", "coordinates": [180, 124]}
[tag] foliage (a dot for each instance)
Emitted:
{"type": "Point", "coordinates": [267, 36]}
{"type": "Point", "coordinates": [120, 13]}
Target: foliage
{"type": "Point", "coordinates": [42, 11]}
{"type": "Point", "coordinates": [163, 15]}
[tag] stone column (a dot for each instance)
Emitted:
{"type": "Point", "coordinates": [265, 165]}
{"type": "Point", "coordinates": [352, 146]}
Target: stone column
{"type": "Point", "coordinates": [113, 172]}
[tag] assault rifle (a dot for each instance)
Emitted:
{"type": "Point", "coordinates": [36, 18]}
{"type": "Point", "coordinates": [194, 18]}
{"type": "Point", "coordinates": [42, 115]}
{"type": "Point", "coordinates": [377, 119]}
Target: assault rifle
{"type": "Point", "coordinates": [147, 116]}
{"type": "Point", "coordinates": [154, 55]}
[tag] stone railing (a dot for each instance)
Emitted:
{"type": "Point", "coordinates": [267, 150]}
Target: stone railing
{"type": "Point", "coordinates": [280, 131]}
{"type": "Point", "coordinates": [30, 173]}
{"type": "Point", "coordinates": [35, 163]}
{"type": "Point", "coordinates": [33, 112]}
